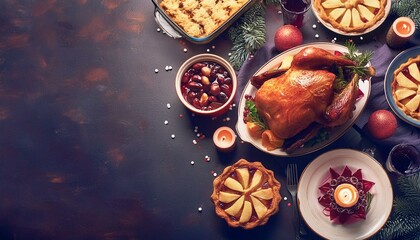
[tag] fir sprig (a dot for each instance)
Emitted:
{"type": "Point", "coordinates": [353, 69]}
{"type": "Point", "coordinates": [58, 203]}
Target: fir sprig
{"type": "Point", "coordinates": [404, 222]}
{"type": "Point", "coordinates": [247, 35]}
{"type": "Point", "coordinates": [407, 8]}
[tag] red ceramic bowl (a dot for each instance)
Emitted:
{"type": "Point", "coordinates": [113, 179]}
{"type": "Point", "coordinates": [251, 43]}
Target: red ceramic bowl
{"type": "Point", "coordinates": [217, 99]}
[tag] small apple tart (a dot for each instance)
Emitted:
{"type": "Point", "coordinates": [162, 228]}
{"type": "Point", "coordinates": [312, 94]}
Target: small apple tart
{"type": "Point", "coordinates": [246, 194]}
{"type": "Point", "coordinates": [406, 87]}
{"type": "Point", "coordinates": [351, 16]}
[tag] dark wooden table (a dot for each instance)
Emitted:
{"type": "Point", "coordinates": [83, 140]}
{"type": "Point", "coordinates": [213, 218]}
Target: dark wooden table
{"type": "Point", "coordinates": [94, 143]}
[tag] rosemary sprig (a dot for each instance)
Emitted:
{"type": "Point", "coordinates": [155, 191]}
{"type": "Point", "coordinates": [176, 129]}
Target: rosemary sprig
{"type": "Point", "coordinates": [360, 58]}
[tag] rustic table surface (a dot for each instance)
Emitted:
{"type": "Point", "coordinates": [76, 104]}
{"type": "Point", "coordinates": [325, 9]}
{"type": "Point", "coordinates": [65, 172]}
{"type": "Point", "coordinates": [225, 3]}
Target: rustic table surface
{"type": "Point", "coordinates": [94, 143]}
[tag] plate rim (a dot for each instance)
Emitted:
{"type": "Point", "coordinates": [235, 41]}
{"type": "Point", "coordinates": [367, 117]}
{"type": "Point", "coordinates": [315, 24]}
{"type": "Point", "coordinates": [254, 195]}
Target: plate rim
{"type": "Point", "coordinates": [387, 86]}
{"type": "Point", "coordinates": [367, 157]}
{"type": "Point", "coordinates": [313, 149]}
{"type": "Point", "coordinates": [368, 30]}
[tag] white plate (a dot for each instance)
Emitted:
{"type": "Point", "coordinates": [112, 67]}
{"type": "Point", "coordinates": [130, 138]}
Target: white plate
{"type": "Point", "coordinates": [330, 27]}
{"type": "Point", "coordinates": [242, 129]}
{"type": "Point", "coordinates": [318, 171]}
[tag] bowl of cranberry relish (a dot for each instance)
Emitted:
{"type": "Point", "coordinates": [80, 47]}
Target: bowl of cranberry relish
{"type": "Point", "coordinates": [206, 84]}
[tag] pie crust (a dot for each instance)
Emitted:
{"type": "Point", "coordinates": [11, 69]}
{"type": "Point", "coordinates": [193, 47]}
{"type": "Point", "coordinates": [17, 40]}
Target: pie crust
{"type": "Point", "coordinates": [406, 87]}
{"type": "Point", "coordinates": [246, 194]}
{"type": "Point", "coordinates": [351, 16]}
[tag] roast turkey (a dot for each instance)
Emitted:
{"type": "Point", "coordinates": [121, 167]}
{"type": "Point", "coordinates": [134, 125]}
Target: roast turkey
{"type": "Point", "coordinates": [305, 94]}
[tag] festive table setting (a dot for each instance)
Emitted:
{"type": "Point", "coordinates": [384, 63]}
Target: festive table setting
{"type": "Point", "coordinates": [210, 119]}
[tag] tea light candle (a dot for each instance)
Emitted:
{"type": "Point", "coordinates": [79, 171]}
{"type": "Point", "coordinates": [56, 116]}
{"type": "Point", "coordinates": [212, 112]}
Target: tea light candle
{"type": "Point", "coordinates": [346, 195]}
{"type": "Point", "coordinates": [400, 32]}
{"type": "Point", "coordinates": [224, 138]}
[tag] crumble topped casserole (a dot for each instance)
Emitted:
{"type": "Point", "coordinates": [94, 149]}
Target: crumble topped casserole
{"type": "Point", "coordinates": [200, 18]}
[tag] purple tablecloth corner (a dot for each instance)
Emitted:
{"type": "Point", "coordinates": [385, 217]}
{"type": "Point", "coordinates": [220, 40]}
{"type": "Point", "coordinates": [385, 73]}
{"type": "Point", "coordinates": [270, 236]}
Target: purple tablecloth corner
{"type": "Point", "coordinates": [382, 57]}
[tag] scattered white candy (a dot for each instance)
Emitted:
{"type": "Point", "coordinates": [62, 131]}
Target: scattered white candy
{"type": "Point", "coordinates": [213, 47]}
{"type": "Point", "coordinates": [317, 35]}
{"type": "Point", "coordinates": [194, 142]}
{"type": "Point", "coordinates": [285, 198]}
{"type": "Point", "coordinates": [361, 37]}
{"type": "Point", "coordinates": [208, 50]}
{"type": "Point", "coordinates": [200, 209]}
{"type": "Point", "coordinates": [170, 67]}
{"type": "Point", "coordinates": [168, 105]}
{"type": "Point", "coordinates": [158, 29]}
{"type": "Point", "coordinates": [215, 174]}
{"type": "Point", "coordinates": [185, 50]}
{"type": "Point", "coordinates": [173, 136]}
{"type": "Point", "coordinates": [192, 162]}
{"type": "Point", "coordinates": [166, 122]}
{"type": "Point", "coordinates": [156, 70]}
{"type": "Point", "coordinates": [166, 68]}
{"type": "Point", "coordinates": [229, 54]}
{"type": "Point", "coordinates": [314, 26]}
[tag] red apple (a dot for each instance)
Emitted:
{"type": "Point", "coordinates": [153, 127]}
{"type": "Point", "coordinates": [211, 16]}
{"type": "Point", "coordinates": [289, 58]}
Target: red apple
{"type": "Point", "coordinates": [382, 124]}
{"type": "Point", "coordinates": [287, 36]}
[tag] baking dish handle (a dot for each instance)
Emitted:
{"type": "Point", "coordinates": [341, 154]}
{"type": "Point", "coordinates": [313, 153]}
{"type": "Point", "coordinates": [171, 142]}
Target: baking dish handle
{"type": "Point", "coordinates": [170, 31]}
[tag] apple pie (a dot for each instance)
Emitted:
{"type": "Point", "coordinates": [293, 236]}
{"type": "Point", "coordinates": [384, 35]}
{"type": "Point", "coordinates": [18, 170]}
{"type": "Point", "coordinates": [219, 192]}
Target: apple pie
{"type": "Point", "coordinates": [351, 16]}
{"type": "Point", "coordinates": [246, 194]}
{"type": "Point", "coordinates": [406, 87]}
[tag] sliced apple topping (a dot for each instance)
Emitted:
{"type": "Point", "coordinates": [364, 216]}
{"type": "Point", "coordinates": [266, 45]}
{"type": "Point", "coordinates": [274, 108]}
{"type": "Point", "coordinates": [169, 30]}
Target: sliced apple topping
{"type": "Point", "coordinates": [337, 13]}
{"type": "Point", "coordinates": [413, 104]}
{"type": "Point", "coordinates": [372, 3]}
{"type": "Point", "coordinates": [365, 12]}
{"type": "Point", "coordinates": [259, 207]}
{"type": "Point", "coordinates": [226, 197]}
{"type": "Point", "coordinates": [243, 176]}
{"type": "Point", "coordinates": [246, 212]}
{"type": "Point", "coordinates": [346, 20]}
{"type": "Point", "coordinates": [404, 93]}
{"type": "Point", "coordinates": [355, 16]}
{"type": "Point", "coordinates": [236, 207]}
{"type": "Point", "coordinates": [414, 71]}
{"type": "Point", "coordinates": [332, 4]}
{"type": "Point", "coordinates": [265, 194]}
{"type": "Point", "coordinates": [256, 179]}
{"type": "Point", "coordinates": [403, 81]}
{"type": "Point", "coordinates": [233, 184]}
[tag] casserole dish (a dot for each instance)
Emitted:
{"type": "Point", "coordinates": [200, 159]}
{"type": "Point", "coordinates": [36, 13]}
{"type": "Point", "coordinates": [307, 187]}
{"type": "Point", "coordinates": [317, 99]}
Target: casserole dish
{"type": "Point", "coordinates": [175, 30]}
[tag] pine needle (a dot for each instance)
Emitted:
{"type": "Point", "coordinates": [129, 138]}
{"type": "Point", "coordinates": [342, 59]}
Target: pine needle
{"type": "Point", "coordinates": [404, 222]}
{"type": "Point", "coordinates": [407, 8]}
{"type": "Point", "coordinates": [247, 35]}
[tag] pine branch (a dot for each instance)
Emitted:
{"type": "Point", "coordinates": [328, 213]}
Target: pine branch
{"type": "Point", "coordinates": [399, 228]}
{"type": "Point", "coordinates": [407, 8]}
{"type": "Point", "coordinates": [404, 222]}
{"type": "Point", "coordinates": [247, 35]}
{"type": "Point", "coordinates": [410, 185]}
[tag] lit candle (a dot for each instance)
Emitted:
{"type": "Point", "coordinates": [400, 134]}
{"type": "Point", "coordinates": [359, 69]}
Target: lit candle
{"type": "Point", "coordinates": [400, 32]}
{"type": "Point", "coordinates": [346, 195]}
{"type": "Point", "coordinates": [224, 138]}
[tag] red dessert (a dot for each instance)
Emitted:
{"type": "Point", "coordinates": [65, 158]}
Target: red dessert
{"type": "Point", "coordinates": [333, 206]}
